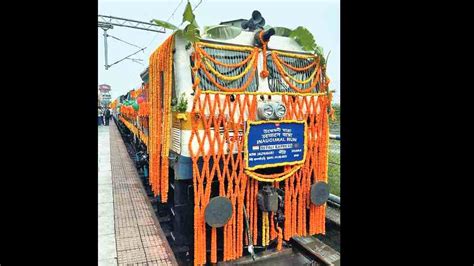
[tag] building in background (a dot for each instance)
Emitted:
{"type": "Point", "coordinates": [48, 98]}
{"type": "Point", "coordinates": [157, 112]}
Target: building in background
{"type": "Point", "coordinates": [104, 94]}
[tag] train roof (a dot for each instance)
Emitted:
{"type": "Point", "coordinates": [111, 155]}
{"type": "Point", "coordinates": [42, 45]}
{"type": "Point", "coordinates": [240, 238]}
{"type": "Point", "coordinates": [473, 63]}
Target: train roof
{"type": "Point", "coordinates": [144, 75]}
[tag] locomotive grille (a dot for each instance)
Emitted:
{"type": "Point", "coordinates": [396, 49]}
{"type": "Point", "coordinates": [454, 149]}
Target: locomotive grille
{"type": "Point", "coordinates": [176, 139]}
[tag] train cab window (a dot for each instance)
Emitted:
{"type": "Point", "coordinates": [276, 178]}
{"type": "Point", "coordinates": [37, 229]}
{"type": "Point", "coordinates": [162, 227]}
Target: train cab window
{"type": "Point", "coordinates": [227, 57]}
{"type": "Point", "coordinates": [276, 83]}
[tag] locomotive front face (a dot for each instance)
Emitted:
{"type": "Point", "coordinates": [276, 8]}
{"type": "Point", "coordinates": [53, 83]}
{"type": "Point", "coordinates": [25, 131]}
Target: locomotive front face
{"type": "Point", "coordinates": [244, 123]}
{"type": "Point", "coordinates": [257, 128]}
{"type": "Point", "coordinates": [241, 126]}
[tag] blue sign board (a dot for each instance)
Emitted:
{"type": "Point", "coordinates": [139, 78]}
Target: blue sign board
{"type": "Point", "coordinates": [274, 143]}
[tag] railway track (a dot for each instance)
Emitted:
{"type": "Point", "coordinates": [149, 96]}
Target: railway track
{"type": "Point", "coordinates": [333, 223]}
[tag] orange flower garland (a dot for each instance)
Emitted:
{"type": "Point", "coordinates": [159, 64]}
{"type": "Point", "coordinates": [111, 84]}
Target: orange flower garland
{"type": "Point", "coordinates": [200, 54]}
{"type": "Point", "coordinates": [285, 78]}
{"type": "Point", "coordinates": [264, 72]}
{"type": "Point", "coordinates": [160, 116]}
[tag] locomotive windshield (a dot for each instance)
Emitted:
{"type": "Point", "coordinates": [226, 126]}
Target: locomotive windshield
{"type": "Point", "coordinates": [300, 72]}
{"type": "Point", "coordinates": [226, 68]}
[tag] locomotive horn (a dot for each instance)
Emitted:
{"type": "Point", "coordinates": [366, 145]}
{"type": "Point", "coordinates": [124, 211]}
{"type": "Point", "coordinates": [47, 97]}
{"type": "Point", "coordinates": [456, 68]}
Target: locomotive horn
{"type": "Point", "coordinates": [267, 34]}
{"type": "Point", "coordinates": [256, 21]}
{"type": "Point", "coordinates": [266, 37]}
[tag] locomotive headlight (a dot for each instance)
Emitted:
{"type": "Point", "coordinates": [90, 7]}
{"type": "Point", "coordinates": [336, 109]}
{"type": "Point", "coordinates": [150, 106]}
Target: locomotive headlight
{"type": "Point", "coordinates": [265, 111]}
{"type": "Point", "coordinates": [280, 110]}
{"type": "Point", "coordinates": [268, 111]}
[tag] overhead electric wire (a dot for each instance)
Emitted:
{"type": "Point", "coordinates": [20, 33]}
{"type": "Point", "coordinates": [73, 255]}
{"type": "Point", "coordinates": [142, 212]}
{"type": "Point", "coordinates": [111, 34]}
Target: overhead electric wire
{"type": "Point", "coordinates": [124, 41]}
{"type": "Point", "coordinates": [172, 14]}
{"type": "Point", "coordinates": [197, 5]}
{"type": "Point", "coordinates": [127, 57]}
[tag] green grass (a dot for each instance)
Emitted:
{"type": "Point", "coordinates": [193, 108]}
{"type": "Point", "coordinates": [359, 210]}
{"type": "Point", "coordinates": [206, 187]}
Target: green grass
{"type": "Point", "coordinates": [334, 171]}
{"type": "Point", "coordinates": [334, 168]}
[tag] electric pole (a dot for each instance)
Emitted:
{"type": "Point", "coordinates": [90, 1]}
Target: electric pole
{"type": "Point", "coordinates": [108, 22]}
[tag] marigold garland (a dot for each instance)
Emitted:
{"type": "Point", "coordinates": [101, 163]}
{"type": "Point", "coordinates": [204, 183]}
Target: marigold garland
{"type": "Point", "coordinates": [273, 177]}
{"type": "Point", "coordinates": [198, 64]}
{"type": "Point", "coordinates": [285, 76]}
{"type": "Point", "coordinates": [310, 65]}
{"type": "Point", "coordinates": [265, 229]}
{"type": "Point", "coordinates": [159, 111]}
{"type": "Point", "coordinates": [232, 78]}
{"type": "Point", "coordinates": [264, 72]}
{"type": "Point", "coordinates": [207, 56]}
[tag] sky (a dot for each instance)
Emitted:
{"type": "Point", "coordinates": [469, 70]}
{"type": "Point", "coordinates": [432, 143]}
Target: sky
{"type": "Point", "coordinates": [320, 17]}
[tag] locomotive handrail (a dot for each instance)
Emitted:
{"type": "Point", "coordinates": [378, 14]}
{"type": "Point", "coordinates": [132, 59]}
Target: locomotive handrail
{"type": "Point", "coordinates": [334, 199]}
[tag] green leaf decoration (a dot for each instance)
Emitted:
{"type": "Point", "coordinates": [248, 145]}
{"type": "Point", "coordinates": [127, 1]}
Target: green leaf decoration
{"type": "Point", "coordinates": [222, 32]}
{"type": "Point", "coordinates": [180, 33]}
{"type": "Point", "coordinates": [327, 57]}
{"type": "Point", "coordinates": [191, 33]}
{"type": "Point", "coordinates": [188, 14]}
{"type": "Point", "coordinates": [164, 24]}
{"type": "Point", "coordinates": [304, 38]}
{"type": "Point", "coordinates": [195, 23]}
{"type": "Point", "coordinates": [282, 31]}
{"type": "Point", "coordinates": [181, 104]}
{"type": "Point", "coordinates": [319, 50]}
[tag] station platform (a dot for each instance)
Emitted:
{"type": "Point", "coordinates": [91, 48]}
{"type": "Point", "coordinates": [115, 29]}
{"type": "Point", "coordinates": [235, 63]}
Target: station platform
{"type": "Point", "coordinates": [129, 232]}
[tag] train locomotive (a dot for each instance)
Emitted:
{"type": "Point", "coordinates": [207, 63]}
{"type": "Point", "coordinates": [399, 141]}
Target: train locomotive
{"type": "Point", "coordinates": [232, 137]}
